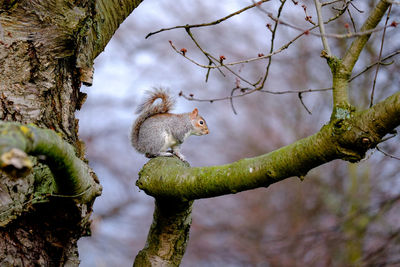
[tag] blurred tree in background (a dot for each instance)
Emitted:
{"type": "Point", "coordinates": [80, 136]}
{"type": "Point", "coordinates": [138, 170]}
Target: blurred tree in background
{"type": "Point", "coordinates": [341, 214]}
{"type": "Point", "coordinates": [257, 73]}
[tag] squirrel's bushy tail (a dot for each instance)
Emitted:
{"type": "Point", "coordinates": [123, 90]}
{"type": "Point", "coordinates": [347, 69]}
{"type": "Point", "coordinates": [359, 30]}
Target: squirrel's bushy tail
{"type": "Point", "coordinates": [147, 109]}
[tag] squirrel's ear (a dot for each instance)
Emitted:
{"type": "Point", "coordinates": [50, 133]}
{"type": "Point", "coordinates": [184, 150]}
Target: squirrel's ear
{"type": "Point", "coordinates": [194, 113]}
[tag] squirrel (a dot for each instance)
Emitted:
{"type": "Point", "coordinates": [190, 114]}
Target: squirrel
{"type": "Point", "coordinates": [155, 130]}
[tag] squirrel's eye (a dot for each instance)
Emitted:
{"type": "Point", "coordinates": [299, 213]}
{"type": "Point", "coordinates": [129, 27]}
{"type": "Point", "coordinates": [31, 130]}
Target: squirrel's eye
{"type": "Point", "coordinates": [201, 122]}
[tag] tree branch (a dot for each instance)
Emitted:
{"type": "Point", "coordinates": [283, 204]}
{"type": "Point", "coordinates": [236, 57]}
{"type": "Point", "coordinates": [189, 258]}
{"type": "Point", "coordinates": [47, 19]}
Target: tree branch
{"type": "Point", "coordinates": [218, 21]}
{"type": "Point", "coordinates": [73, 177]}
{"type": "Point", "coordinates": [352, 54]}
{"type": "Point", "coordinates": [168, 235]}
{"type": "Point", "coordinates": [379, 59]}
{"type": "Point", "coordinates": [342, 69]}
{"type": "Point", "coordinates": [347, 137]}
{"type": "Point", "coordinates": [322, 27]}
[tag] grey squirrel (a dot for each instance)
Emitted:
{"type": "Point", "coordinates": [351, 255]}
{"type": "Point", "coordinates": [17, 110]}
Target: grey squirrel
{"type": "Point", "coordinates": [156, 130]}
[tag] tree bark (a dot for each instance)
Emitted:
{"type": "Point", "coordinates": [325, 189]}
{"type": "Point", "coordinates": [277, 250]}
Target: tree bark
{"type": "Point", "coordinates": [168, 235]}
{"type": "Point", "coordinates": [47, 49]}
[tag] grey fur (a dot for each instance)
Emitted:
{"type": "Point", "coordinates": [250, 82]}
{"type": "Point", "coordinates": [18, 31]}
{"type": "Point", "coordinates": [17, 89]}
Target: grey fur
{"type": "Point", "coordinates": [156, 130]}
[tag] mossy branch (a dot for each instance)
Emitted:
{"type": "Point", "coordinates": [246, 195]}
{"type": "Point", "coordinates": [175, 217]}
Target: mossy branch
{"type": "Point", "coordinates": [174, 184]}
{"type": "Point", "coordinates": [168, 235]}
{"type": "Point", "coordinates": [342, 68]}
{"type": "Point", "coordinates": [346, 137]}
{"type": "Point", "coordinates": [73, 177]}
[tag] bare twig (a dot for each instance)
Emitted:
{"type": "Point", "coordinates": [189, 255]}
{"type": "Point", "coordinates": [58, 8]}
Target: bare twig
{"type": "Point", "coordinates": [271, 48]}
{"type": "Point", "coordinates": [379, 58]}
{"type": "Point", "coordinates": [231, 100]}
{"type": "Point", "coordinates": [329, 35]}
{"type": "Point", "coordinates": [330, 2]}
{"type": "Point", "coordinates": [356, 8]}
{"type": "Point", "coordinates": [241, 61]}
{"type": "Point", "coordinates": [389, 137]}
{"type": "Point", "coordinates": [215, 60]}
{"type": "Point", "coordinates": [210, 58]}
{"type": "Point", "coordinates": [352, 20]}
{"type": "Point", "coordinates": [210, 23]}
{"type": "Point", "coordinates": [322, 28]}
{"type": "Point", "coordinates": [302, 102]}
{"type": "Point", "coordinates": [217, 64]}
{"type": "Point", "coordinates": [353, 52]}
{"type": "Point", "coordinates": [386, 154]}
{"type": "Point", "coordinates": [246, 91]}
{"type": "Point", "coordinates": [381, 62]}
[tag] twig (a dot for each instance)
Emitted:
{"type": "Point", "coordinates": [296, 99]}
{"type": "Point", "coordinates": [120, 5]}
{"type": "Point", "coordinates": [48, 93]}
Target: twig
{"type": "Point", "coordinates": [207, 55]}
{"type": "Point", "coordinates": [330, 35]}
{"type": "Point", "coordinates": [210, 23]}
{"type": "Point", "coordinates": [375, 63]}
{"type": "Point", "coordinates": [352, 53]}
{"type": "Point", "coordinates": [242, 61]}
{"type": "Point", "coordinates": [352, 20]}
{"type": "Point", "coordinates": [231, 100]}
{"type": "Point", "coordinates": [272, 47]}
{"type": "Point", "coordinates": [379, 59]}
{"type": "Point", "coordinates": [302, 102]}
{"type": "Point", "coordinates": [330, 2]}
{"type": "Point", "coordinates": [247, 91]}
{"type": "Point", "coordinates": [214, 60]}
{"type": "Point", "coordinates": [356, 8]}
{"type": "Point", "coordinates": [284, 47]}
{"type": "Point", "coordinates": [322, 28]}
{"type": "Point", "coordinates": [386, 154]}
{"type": "Point", "coordinates": [389, 137]}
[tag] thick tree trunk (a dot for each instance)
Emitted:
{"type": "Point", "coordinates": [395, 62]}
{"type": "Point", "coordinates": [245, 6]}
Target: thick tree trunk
{"type": "Point", "coordinates": [39, 84]}
{"type": "Point", "coordinates": [36, 87]}
{"type": "Point", "coordinates": [47, 49]}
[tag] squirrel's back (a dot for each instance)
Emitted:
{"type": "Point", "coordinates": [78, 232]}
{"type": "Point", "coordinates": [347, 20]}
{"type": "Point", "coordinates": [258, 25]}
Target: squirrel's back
{"type": "Point", "coordinates": [148, 109]}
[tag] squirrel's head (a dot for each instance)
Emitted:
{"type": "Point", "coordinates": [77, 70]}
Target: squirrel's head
{"type": "Point", "coordinates": [199, 124]}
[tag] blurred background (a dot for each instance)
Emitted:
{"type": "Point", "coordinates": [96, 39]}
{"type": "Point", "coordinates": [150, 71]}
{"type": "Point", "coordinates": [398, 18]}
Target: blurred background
{"type": "Point", "coordinates": [342, 214]}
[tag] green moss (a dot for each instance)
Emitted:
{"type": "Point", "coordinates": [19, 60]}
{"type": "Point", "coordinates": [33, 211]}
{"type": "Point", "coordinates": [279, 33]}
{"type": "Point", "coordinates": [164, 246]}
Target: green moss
{"type": "Point", "coordinates": [44, 183]}
{"type": "Point", "coordinates": [334, 63]}
{"type": "Point", "coordinates": [73, 176]}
